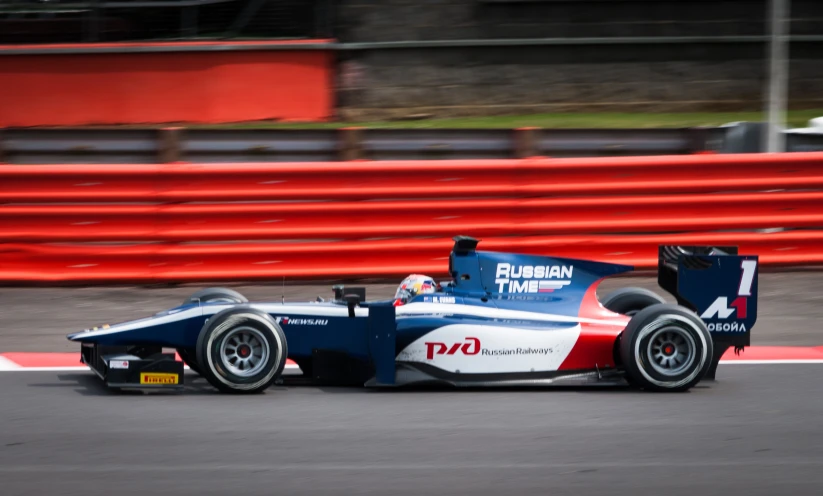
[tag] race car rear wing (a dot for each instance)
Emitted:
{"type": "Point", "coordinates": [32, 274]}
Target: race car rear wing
{"type": "Point", "coordinates": [719, 285]}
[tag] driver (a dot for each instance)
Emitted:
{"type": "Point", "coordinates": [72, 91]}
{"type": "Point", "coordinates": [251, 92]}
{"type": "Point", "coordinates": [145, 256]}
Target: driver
{"type": "Point", "coordinates": [412, 286]}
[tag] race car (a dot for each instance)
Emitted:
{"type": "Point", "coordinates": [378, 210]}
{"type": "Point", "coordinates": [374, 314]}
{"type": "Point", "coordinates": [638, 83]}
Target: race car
{"type": "Point", "coordinates": [502, 319]}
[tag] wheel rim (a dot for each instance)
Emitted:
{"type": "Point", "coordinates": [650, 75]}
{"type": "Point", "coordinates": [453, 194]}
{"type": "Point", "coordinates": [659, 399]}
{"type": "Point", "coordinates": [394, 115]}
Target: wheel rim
{"type": "Point", "coordinates": [671, 350]}
{"type": "Point", "coordinates": [244, 351]}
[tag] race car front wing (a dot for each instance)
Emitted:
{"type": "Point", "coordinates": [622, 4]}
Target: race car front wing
{"type": "Point", "coordinates": [123, 367]}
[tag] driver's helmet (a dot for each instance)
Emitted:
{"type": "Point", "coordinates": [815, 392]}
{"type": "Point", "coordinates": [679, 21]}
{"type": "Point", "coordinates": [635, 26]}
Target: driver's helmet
{"type": "Point", "coordinates": [412, 286]}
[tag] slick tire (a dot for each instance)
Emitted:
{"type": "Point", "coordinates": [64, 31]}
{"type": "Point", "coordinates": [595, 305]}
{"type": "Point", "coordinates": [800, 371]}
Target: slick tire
{"type": "Point", "coordinates": [208, 295]}
{"type": "Point", "coordinates": [215, 295]}
{"type": "Point", "coordinates": [241, 350]}
{"type": "Point", "coordinates": [189, 357]}
{"type": "Point", "coordinates": [629, 301]}
{"type": "Point", "coordinates": [666, 347]}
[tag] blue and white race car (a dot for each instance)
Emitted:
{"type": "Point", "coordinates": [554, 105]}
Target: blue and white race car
{"type": "Point", "coordinates": [502, 319]}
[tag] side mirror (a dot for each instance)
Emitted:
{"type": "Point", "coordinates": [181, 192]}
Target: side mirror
{"type": "Point", "coordinates": [352, 300]}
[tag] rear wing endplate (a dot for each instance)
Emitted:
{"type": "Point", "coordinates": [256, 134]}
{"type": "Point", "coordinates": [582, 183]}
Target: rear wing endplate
{"type": "Point", "coordinates": [719, 285]}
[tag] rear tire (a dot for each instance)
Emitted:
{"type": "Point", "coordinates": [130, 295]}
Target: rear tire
{"type": "Point", "coordinates": [241, 350]}
{"type": "Point", "coordinates": [666, 347]}
{"type": "Point", "coordinates": [208, 295]}
{"type": "Point", "coordinates": [629, 301]}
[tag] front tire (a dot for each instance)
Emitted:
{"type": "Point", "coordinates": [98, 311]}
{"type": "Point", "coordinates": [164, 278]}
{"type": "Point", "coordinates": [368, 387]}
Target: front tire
{"type": "Point", "coordinates": [241, 350]}
{"type": "Point", "coordinates": [666, 347]}
{"type": "Point", "coordinates": [189, 357]}
{"type": "Point", "coordinates": [216, 295]}
{"type": "Point", "coordinates": [208, 295]}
